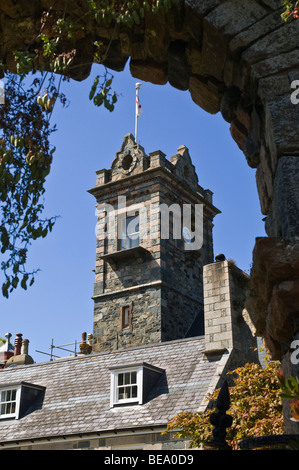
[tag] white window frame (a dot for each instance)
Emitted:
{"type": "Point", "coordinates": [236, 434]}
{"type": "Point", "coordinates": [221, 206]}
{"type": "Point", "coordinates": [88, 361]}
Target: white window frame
{"type": "Point", "coordinates": [17, 400]}
{"type": "Point", "coordinates": [114, 400]}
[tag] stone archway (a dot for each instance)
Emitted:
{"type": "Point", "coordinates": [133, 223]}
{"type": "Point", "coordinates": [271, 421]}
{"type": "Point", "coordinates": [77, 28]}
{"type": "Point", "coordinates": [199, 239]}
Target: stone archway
{"type": "Point", "coordinates": [237, 58]}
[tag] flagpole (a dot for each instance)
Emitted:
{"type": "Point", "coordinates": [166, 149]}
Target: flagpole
{"type": "Point", "coordinates": [138, 85]}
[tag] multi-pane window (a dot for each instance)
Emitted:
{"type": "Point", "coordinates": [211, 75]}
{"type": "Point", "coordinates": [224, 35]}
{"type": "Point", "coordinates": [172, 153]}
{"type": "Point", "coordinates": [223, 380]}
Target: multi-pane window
{"type": "Point", "coordinates": [15, 399]}
{"type": "Point", "coordinates": [126, 386]}
{"type": "Point", "coordinates": [8, 403]}
{"type": "Point", "coordinates": [130, 385]}
{"type": "Point", "coordinates": [129, 233]}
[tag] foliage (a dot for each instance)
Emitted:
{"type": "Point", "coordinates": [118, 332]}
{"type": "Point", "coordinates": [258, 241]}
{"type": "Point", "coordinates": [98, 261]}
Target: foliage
{"type": "Point", "coordinates": [25, 150]}
{"type": "Point", "coordinates": [25, 160]}
{"type": "Point", "coordinates": [291, 10]}
{"type": "Point", "coordinates": [127, 13]}
{"type": "Point", "coordinates": [290, 391]}
{"type": "Point", "coordinates": [256, 408]}
{"type": "Point", "coordinates": [54, 47]}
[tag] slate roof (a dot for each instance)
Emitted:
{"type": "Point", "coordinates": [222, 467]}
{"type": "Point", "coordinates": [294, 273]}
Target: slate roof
{"type": "Point", "coordinates": [77, 397]}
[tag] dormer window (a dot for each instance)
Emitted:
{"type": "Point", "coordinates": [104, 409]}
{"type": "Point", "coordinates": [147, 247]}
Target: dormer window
{"type": "Point", "coordinates": [127, 387]}
{"type": "Point", "coordinates": [16, 399]}
{"type": "Point", "coordinates": [130, 385]}
{"type": "Point", "coordinates": [9, 402]}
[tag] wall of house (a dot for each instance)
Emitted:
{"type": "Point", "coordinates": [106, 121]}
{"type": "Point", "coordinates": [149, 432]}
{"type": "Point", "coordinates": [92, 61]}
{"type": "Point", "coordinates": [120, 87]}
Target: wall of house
{"type": "Point", "coordinates": [227, 325]}
{"type": "Point", "coordinates": [150, 441]}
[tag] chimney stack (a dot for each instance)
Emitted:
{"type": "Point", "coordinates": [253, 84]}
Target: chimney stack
{"type": "Point", "coordinates": [20, 356]}
{"type": "Point", "coordinates": [25, 346]}
{"type": "Point", "coordinates": [18, 344]}
{"type": "Point", "coordinates": [8, 336]}
{"type": "Point", "coordinates": [6, 350]}
{"type": "Point", "coordinates": [85, 348]}
{"type": "Point", "coordinates": [89, 339]}
{"type": "Point", "coordinates": [226, 327]}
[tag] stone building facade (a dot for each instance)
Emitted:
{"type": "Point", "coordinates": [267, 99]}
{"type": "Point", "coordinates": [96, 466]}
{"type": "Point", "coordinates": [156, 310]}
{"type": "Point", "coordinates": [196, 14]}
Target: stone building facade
{"type": "Point", "coordinates": [227, 323]}
{"type": "Point", "coordinates": [148, 278]}
{"type": "Point", "coordinates": [169, 322]}
{"type": "Point", "coordinates": [234, 57]}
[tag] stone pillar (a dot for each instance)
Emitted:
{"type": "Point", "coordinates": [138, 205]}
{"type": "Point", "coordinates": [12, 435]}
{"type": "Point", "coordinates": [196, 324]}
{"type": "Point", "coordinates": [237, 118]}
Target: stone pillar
{"type": "Point", "coordinates": [225, 288]}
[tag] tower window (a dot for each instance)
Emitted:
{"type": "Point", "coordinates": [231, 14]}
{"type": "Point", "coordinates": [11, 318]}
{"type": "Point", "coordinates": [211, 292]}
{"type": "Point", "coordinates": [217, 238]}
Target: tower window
{"type": "Point", "coordinates": [126, 316]}
{"type": "Point", "coordinates": [127, 161]}
{"type": "Point", "coordinates": [129, 233]}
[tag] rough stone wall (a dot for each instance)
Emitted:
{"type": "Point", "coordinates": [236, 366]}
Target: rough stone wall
{"type": "Point", "coordinates": [150, 441]}
{"type": "Point", "coordinates": [146, 319]}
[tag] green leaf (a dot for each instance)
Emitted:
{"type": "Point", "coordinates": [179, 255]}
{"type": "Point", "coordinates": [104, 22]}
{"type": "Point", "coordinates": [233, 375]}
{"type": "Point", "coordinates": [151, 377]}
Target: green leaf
{"type": "Point", "coordinates": [24, 281]}
{"type": "Point", "coordinates": [4, 237]}
{"type": "Point", "coordinates": [5, 288]}
{"type": "Point", "coordinates": [15, 282]}
{"type": "Point", "coordinates": [24, 200]}
{"type": "Point", "coordinates": [114, 97]}
{"type": "Point", "coordinates": [16, 268]}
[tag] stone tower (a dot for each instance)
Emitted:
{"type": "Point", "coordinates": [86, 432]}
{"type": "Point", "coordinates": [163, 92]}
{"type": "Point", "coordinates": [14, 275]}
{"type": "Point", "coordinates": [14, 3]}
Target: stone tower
{"type": "Point", "coordinates": [148, 276]}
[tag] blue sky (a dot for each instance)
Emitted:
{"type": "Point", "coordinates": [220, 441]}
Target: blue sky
{"type": "Point", "coordinates": [59, 306]}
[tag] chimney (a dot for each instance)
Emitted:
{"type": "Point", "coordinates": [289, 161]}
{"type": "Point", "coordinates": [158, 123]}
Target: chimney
{"type": "Point", "coordinates": [18, 344]}
{"type": "Point", "coordinates": [20, 356]}
{"type": "Point", "coordinates": [89, 339]}
{"type": "Point", "coordinates": [84, 347]}
{"type": "Point", "coordinates": [8, 336]}
{"type": "Point", "coordinates": [25, 346]}
{"type": "Point", "coordinates": [226, 327]}
{"type": "Point", "coordinates": [6, 350]}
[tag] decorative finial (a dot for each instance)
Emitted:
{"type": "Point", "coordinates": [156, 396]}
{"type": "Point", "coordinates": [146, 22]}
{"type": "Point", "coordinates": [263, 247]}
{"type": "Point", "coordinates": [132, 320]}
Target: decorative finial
{"type": "Point", "coordinates": [220, 420]}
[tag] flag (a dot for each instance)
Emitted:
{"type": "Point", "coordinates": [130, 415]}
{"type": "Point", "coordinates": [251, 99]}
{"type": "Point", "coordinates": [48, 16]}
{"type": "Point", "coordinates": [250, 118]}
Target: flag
{"type": "Point", "coordinates": [138, 107]}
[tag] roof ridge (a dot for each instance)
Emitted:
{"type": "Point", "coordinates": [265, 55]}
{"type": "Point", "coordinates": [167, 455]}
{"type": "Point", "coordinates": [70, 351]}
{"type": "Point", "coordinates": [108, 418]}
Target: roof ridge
{"type": "Point", "coordinates": [103, 353]}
